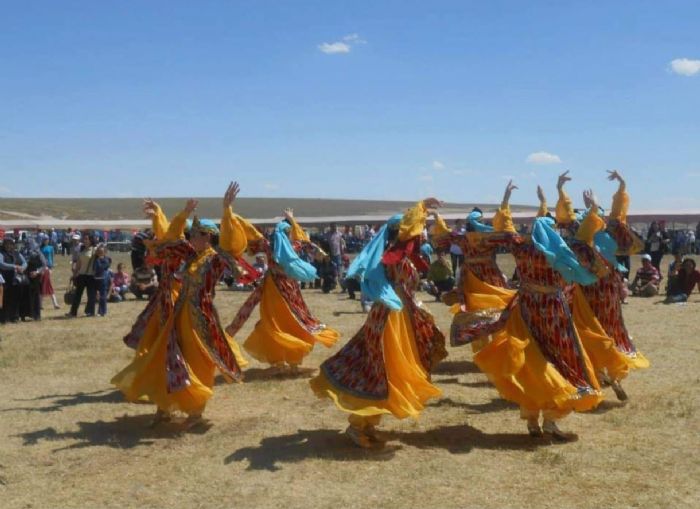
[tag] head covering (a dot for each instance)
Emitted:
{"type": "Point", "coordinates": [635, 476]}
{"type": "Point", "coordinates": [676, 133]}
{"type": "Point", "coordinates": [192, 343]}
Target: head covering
{"type": "Point", "coordinates": [474, 219]}
{"type": "Point", "coordinates": [559, 256]}
{"type": "Point", "coordinates": [204, 225]}
{"type": "Point", "coordinates": [646, 256]}
{"type": "Point", "coordinates": [607, 247]}
{"type": "Point", "coordinates": [368, 268]}
{"type": "Point", "coordinates": [284, 254]}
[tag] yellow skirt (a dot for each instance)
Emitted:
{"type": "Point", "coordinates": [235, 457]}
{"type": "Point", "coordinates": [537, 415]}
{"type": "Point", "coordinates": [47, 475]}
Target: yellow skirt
{"type": "Point", "coordinates": [481, 296]}
{"type": "Point", "coordinates": [598, 345]}
{"type": "Point", "coordinates": [515, 364]}
{"type": "Point", "coordinates": [278, 336]}
{"type": "Point", "coordinates": [145, 378]}
{"type": "Point", "coordinates": [409, 387]}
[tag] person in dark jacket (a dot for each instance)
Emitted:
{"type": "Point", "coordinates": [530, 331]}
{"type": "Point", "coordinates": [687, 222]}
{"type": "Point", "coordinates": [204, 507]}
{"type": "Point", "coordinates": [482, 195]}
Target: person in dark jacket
{"type": "Point", "coordinates": [12, 268]}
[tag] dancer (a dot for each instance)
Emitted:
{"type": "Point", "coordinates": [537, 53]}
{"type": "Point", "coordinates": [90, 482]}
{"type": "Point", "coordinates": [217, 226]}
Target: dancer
{"type": "Point", "coordinates": [536, 358]}
{"type": "Point", "coordinates": [286, 331]}
{"type": "Point", "coordinates": [385, 368]}
{"type": "Point", "coordinates": [175, 369]}
{"type": "Point", "coordinates": [483, 291]}
{"type": "Point", "coordinates": [599, 305]}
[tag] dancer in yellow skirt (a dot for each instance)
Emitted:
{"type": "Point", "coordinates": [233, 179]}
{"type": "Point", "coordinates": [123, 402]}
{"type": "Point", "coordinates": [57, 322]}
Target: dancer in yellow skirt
{"type": "Point", "coordinates": [598, 306]}
{"type": "Point", "coordinates": [385, 368]}
{"type": "Point", "coordinates": [174, 365]}
{"type": "Point", "coordinates": [536, 357]}
{"type": "Point", "coordinates": [483, 291]}
{"type": "Point", "coordinates": [286, 331]}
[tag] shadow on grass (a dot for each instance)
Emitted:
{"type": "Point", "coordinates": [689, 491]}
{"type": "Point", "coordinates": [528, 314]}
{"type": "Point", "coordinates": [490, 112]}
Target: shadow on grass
{"type": "Point", "coordinates": [254, 375]}
{"type": "Point", "coordinates": [125, 432]}
{"type": "Point", "coordinates": [455, 381]}
{"type": "Point", "coordinates": [323, 444]}
{"type": "Point", "coordinates": [607, 405]}
{"type": "Point", "coordinates": [455, 368]}
{"type": "Point", "coordinates": [68, 400]}
{"type": "Point", "coordinates": [495, 405]}
{"type": "Point", "coordinates": [341, 313]}
{"type": "Point", "coordinates": [332, 445]}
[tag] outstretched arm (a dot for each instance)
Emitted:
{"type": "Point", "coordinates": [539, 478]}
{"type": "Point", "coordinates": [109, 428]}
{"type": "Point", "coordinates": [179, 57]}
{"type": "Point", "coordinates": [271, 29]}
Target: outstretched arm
{"type": "Point", "coordinates": [413, 222]}
{"type": "Point", "coordinates": [543, 210]}
{"type": "Point", "coordinates": [298, 234]}
{"type": "Point", "coordinates": [565, 210]}
{"type": "Point", "coordinates": [233, 238]}
{"type": "Point", "coordinates": [621, 199]}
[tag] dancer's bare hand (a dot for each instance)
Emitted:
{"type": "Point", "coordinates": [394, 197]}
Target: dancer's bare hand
{"type": "Point", "coordinates": [563, 179]}
{"type": "Point", "coordinates": [540, 194]}
{"type": "Point", "coordinates": [150, 207]}
{"type": "Point", "coordinates": [589, 198]}
{"type": "Point", "coordinates": [191, 205]}
{"type": "Point", "coordinates": [231, 193]}
{"type": "Point", "coordinates": [432, 203]}
{"type": "Point", "coordinates": [289, 213]}
{"type": "Point", "coordinates": [615, 175]}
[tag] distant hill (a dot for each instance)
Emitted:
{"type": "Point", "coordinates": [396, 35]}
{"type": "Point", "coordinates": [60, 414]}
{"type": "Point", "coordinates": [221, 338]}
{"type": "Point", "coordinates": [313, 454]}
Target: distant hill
{"type": "Point", "coordinates": [130, 208]}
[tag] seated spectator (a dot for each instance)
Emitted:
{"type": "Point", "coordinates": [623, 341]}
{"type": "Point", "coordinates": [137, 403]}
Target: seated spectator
{"type": "Point", "coordinates": [144, 282]}
{"type": "Point", "coordinates": [682, 281]}
{"type": "Point", "coordinates": [260, 263]}
{"type": "Point", "coordinates": [120, 284]}
{"type": "Point", "coordinates": [440, 278]}
{"type": "Point", "coordinates": [647, 280]}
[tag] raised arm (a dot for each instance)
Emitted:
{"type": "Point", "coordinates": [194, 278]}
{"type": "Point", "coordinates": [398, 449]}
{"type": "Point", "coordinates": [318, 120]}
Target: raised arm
{"type": "Point", "coordinates": [159, 223]}
{"type": "Point", "coordinates": [233, 237]}
{"type": "Point", "coordinates": [413, 221]}
{"type": "Point", "coordinates": [564, 210]}
{"type": "Point", "coordinates": [543, 210]}
{"type": "Point", "coordinates": [503, 220]}
{"type": "Point", "coordinates": [621, 200]}
{"type": "Point", "coordinates": [297, 232]}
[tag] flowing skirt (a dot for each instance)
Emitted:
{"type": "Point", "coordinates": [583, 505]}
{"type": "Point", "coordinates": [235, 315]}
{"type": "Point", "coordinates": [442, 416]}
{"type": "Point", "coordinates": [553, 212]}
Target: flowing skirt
{"type": "Point", "coordinates": [404, 378]}
{"type": "Point", "coordinates": [279, 336]}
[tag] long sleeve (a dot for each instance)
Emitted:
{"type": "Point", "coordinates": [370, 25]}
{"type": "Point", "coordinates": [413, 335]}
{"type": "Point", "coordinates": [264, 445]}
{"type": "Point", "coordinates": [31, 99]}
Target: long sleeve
{"type": "Point", "coordinates": [176, 228]}
{"type": "Point", "coordinates": [564, 210]}
{"type": "Point", "coordinates": [620, 205]}
{"type": "Point", "coordinates": [591, 225]}
{"type": "Point", "coordinates": [543, 210]}
{"type": "Point", "coordinates": [298, 234]}
{"type": "Point", "coordinates": [159, 223]}
{"type": "Point", "coordinates": [233, 237]}
{"type": "Point", "coordinates": [439, 228]}
{"type": "Point", "coordinates": [413, 222]}
{"type": "Point", "coordinates": [503, 221]}
{"type": "Point", "coordinates": [5, 266]}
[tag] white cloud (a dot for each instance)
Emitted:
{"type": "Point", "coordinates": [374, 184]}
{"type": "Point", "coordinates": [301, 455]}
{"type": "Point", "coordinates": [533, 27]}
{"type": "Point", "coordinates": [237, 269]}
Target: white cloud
{"type": "Point", "coordinates": [543, 158]}
{"type": "Point", "coordinates": [685, 66]}
{"type": "Point", "coordinates": [344, 45]}
{"type": "Point", "coordinates": [331, 48]}
{"type": "Point", "coordinates": [437, 165]}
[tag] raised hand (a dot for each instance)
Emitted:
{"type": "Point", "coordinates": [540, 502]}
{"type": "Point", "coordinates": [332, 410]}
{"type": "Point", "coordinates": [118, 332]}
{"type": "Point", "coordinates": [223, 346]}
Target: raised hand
{"type": "Point", "coordinates": [510, 187]}
{"type": "Point", "coordinates": [231, 193]}
{"type": "Point", "coordinates": [540, 194]}
{"type": "Point", "coordinates": [432, 203]}
{"type": "Point", "coordinates": [191, 205]}
{"type": "Point", "coordinates": [563, 179]}
{"type": "Point", "coordinates": [150, 207]}
{"type": "Point", "coordinates": [289, 213]}
{"type": "Point", "coordinates": [615, 175]}
{"type": "Point", "coordinates": [589, 198]}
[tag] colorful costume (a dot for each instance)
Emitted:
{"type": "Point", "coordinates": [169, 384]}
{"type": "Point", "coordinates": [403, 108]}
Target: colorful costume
{"type": "Point", "coordinates": [385, 368]}
{"type": "Point", "coordinates": [175, 361]}
{"type": "Point", "coordinates": [536, 357]}
{"type": "Point", "coordinates": [286, 331]}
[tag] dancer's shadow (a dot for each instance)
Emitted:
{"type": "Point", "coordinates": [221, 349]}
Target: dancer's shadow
{"type": "Point", "coordinates": [455, 381]}
{"type": "Point", "coordinates": [319, 444]}
{"type": "Point", "coordinates": [125, 432]}
{"type": "Point", "coordinates": [253, 375]}
{"type": "Point", "coordinates": [495, 405]}
{"type": "Point", "coordinates": [340, 313]}
{"type": "Point", "coordinates": [462, 439]}
{"type": "Point", "coordinates": [607, 405]}
{"type": "Point", "coordinates": [455, 368]}
{"type": "Point", "coordinates": [68, 400]}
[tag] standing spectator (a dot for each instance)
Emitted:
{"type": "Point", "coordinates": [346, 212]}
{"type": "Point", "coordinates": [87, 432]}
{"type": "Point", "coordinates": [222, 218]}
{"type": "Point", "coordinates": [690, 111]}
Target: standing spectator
{"type": "Point", "coordinates": [84, 278]}
{"type": "Point", "coordinates": [144, 281]}
{"type": "Point", "coordinates": [36, 265]}
{"type": "Point", "coordinates": [46, 285]}
{"type": "Point", "coordinates": [691, 242]}
{"type": "Point", "coordinates": [646, 282]}
{"type": "Point", "coordinates": [682, 281]}
{"type": "Point", "coordinates": [12, 268]}
{"type": "Point", "coordinates": [66, 242]}
{"type": "Point", "coordinates": [103, 278]}
{"type": "Point", "coordinates": [657, 244]}
{"type": "Point", "coordinates": [2, 292]}
{"type": "Point", "coordinates": [120, 284]}
{"type": "Point", "coordinates": [260, 264]}
{"type": "Point", "coordinates": [336, 245]}
{"type": "Point", "coordinates": [327, 272]}
{"type": "Point", "coordinates": [456, 251]}
{"type": "Point", "coordinates": [426, 249]}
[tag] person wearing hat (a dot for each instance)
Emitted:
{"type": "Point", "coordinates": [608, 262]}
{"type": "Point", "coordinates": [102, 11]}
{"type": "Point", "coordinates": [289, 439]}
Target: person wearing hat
{"type": "Point", "coordinates": [12, 268]}
{"type": "Point", "coordinates": [647, 280]}
{"type": "Point", "coordinates": [183, 346]}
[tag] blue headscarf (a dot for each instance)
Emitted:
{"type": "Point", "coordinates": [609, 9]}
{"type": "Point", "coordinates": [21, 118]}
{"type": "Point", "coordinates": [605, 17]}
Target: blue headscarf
{"type": "Point", "coordinates": [474, 219]}
{"type": "Point", "coordinates": [283, 253]}
{"type": "Point", "coordinates": [559, 256]}
{"type": "Point", "coordinates": [368, 268]}
{"type": "Point", "coordinates": [205, 225]}
{"type": "Point", "coordinates": [607, 247]}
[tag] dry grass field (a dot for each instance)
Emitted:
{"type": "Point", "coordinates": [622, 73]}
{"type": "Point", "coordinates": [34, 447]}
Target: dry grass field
{"type": "Point", "coordinates": [69, 440]}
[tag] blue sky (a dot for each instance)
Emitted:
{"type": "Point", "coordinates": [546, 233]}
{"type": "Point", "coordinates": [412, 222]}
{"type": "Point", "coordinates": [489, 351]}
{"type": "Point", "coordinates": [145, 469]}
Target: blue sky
{"type": "Point", "coordinates": [376, 99]}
